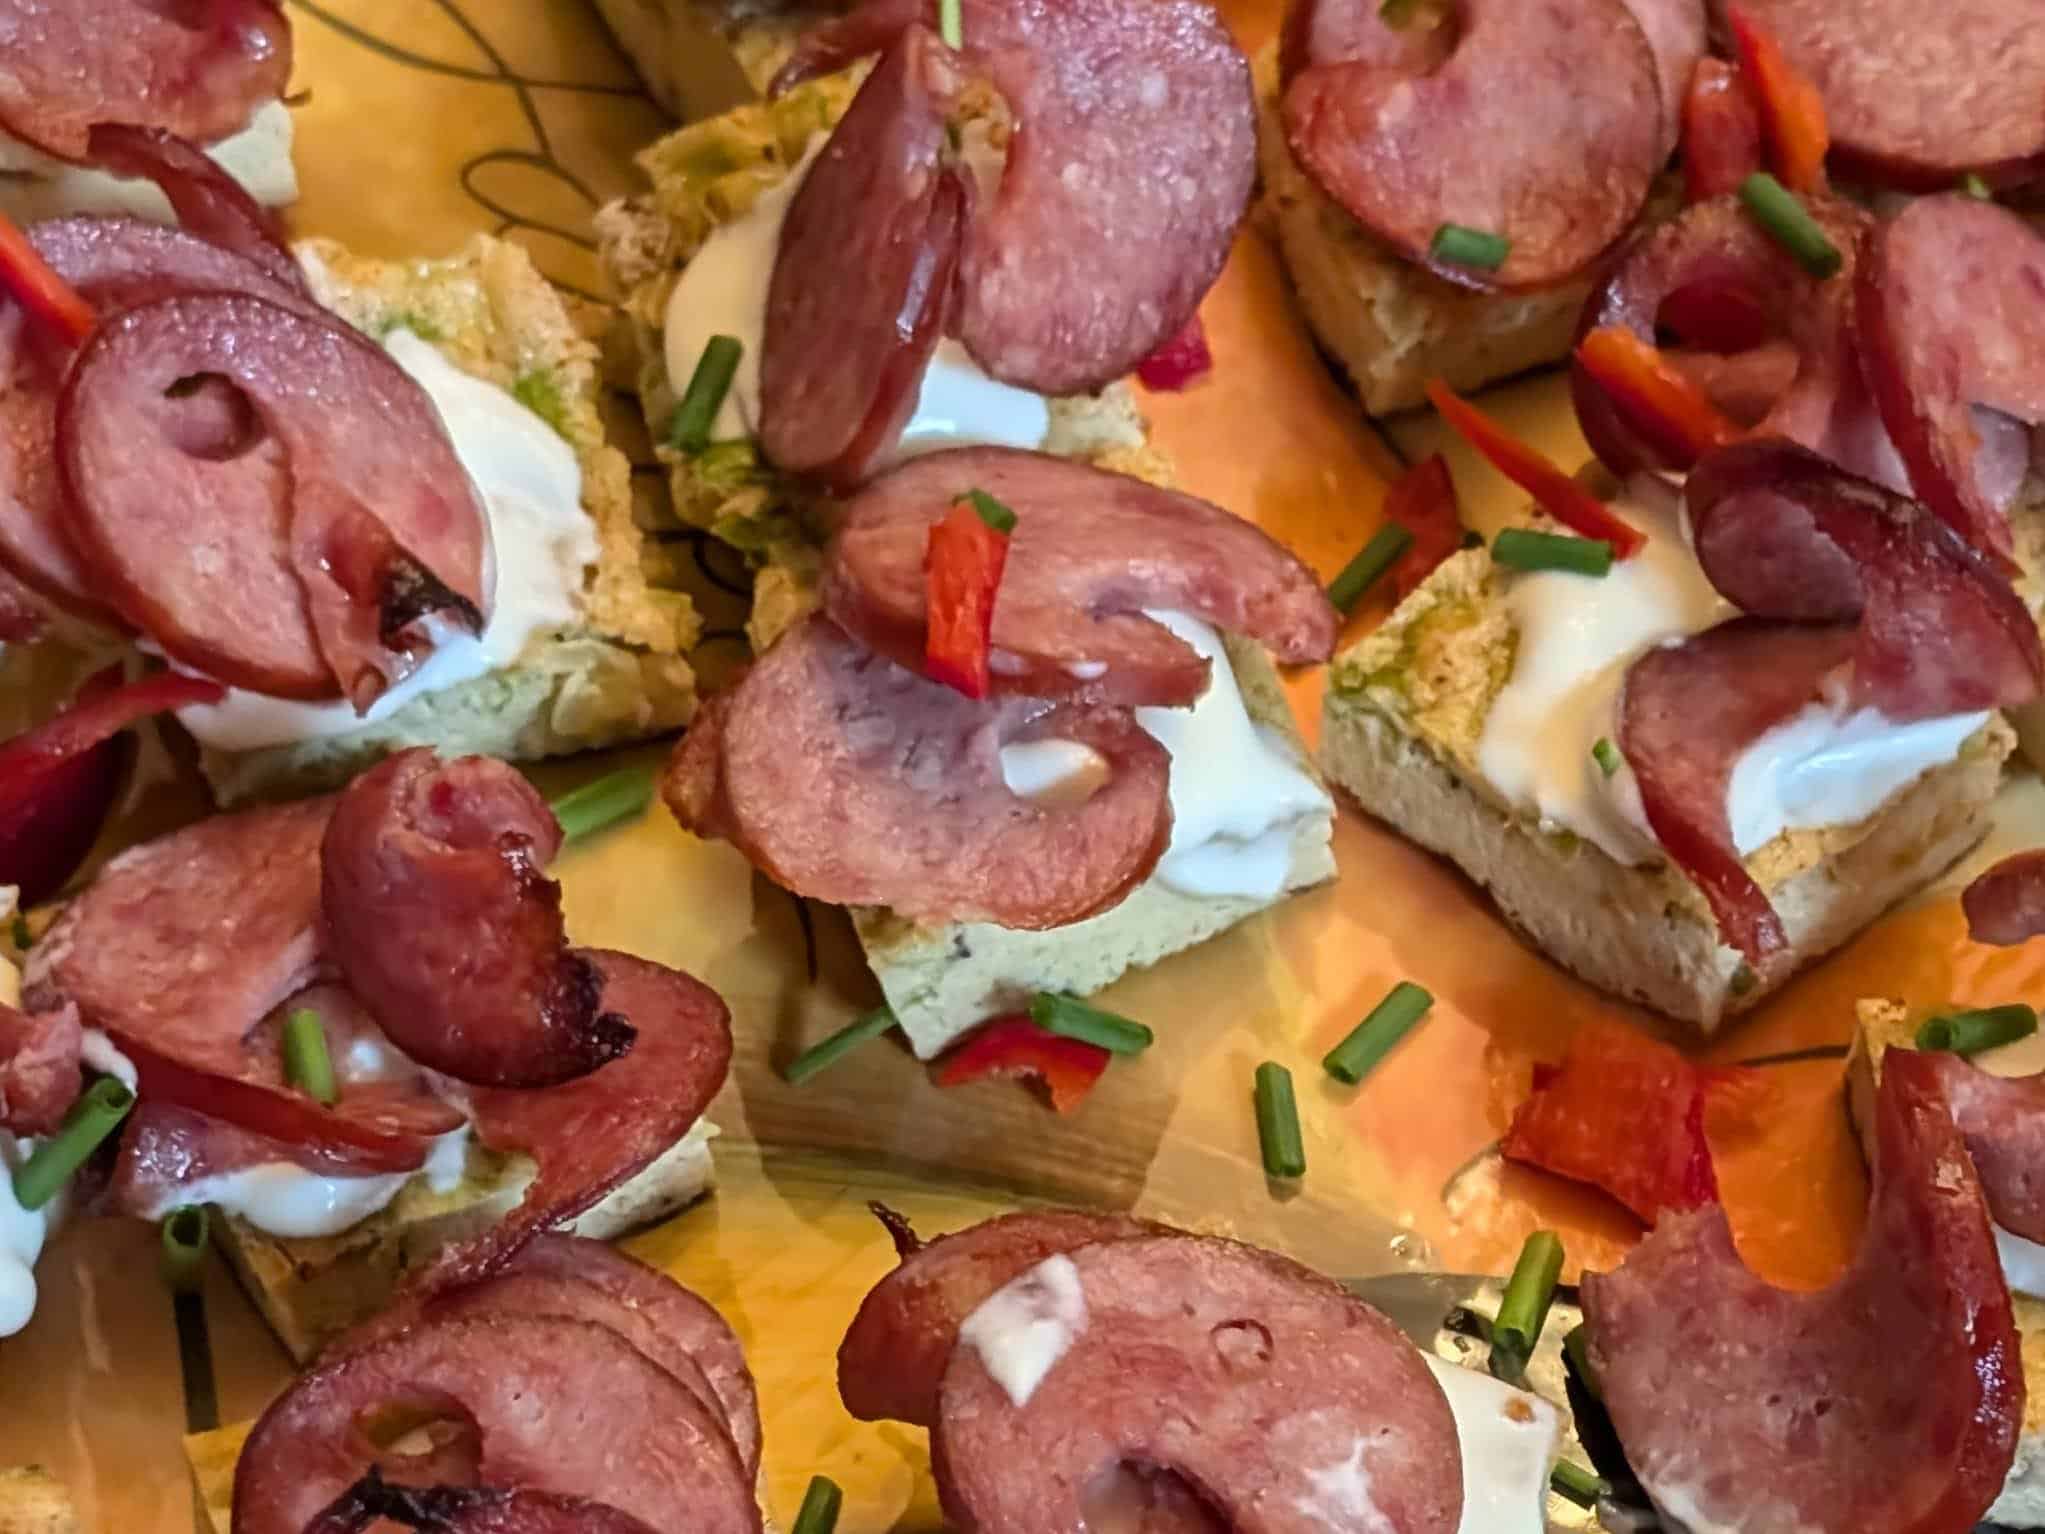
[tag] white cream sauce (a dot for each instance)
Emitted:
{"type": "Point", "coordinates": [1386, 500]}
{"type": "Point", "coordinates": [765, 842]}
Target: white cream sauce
{"type": "Point", "coordinates": [1578, 634]}
{"type": "Point", "coordinates": [1236, 794]}
{"type": "Point", "coordinates": [1023, 1328]}
{"type": "Point", "coordinates": [22, 1234]}
{"type": "Point", "coordinates": [1509, 1442]}
{"type": "Point", "coordinates": [101, 1054]}
{"type": "Point", "coordinates": [723, 291]}
{"type": "Point", "coordinates": [1339, 1495]}
{"type": "Point", "coordinates": [291, 1201]}
{"type": "Point", "coordinates": [542, 542]}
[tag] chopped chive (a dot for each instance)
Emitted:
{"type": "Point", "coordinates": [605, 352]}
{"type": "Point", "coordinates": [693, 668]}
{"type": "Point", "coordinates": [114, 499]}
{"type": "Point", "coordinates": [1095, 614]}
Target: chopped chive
{"type": "Point", "coordinates": [1397, 13]}
{"type": "Point", "coordinates": [1073, 1018]}
{"type": "Point", "coordinates": [1974, 186]}
{"type": "Point", "coordinates": [1606, 755]}
{"type": "Point", "coordinates": [1524, 549]}
{"type": "Point", "coordinates": [1776, 209]}
{"type": "Point", "coordinates": [184, 1247]}
{"type": "Point", "coordinates": [992, 512]}
{"type": "Point", "coordinates": [1372, 1039]}
{"type": "Point", "coordinates": [604, 802]}
{"type": "Point", "coordinates": [307, 1065]}
{"type": "Point", "coordinates": [1969, 1033]}
{"type": "Point", "coordinates": [97, 1114]}
{"type": "Point", "coordinates": [728, 460]}
{"type": "Point", "coordinates": [1524, 1310]}
{"type": "Point", "coordinates": [1285, 1154]}
{"type": "Point", "coordinates": [820, 1503]}
{"type": "Point", "coordinates": [821, 1057]}
{"type": "Point", "coordinates": [950, 25]}
{"type": "Point", "coordinates": [1581, 1486]}
{"type": "Point", "coordinates": [1577, 1345]}
{"type": "Point", "coordinates": [23, 938]}
{"type": "Point", "coordinates": [1375, 558]}
{"type": "Point", "coordinates": [1454, 245]}
{"type": "Point", "coordinates": [688, 429]}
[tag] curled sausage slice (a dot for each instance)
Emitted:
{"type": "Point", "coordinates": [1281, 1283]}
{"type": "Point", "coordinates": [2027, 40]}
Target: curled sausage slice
{"type": "Point", "coordinates": [199, 71]}
{"type": "Point", "coordinates": [1951, 305]}
{"type": "Point", "coordinates": [208, 202]}
{"type": "Point", "coordinates": [546, 1404]}
{"type": "Point", "coordinates": [1090, 551]}
{"type": "Point", "coordinates": [2002, 1119]}
{"type": "Point", "coordinates": [842, 364]}
{"type": "Point", "coordinates": [2006, 905]}
{"type": "Point", "coordinates": [301, 558]}
{"type": "Point", "coordinates": [1285, 1403]}
{"type": "Point", "coordinates": [847, 779]}
{"type": "Point", "coordinates": [445, 925]}
{"type": "Point", "coordinates": [1540, 122]}
{"type": "Point", "coordinates": [893, 1357]}
{"type": "Point", "coordinates": [1741, 1405]}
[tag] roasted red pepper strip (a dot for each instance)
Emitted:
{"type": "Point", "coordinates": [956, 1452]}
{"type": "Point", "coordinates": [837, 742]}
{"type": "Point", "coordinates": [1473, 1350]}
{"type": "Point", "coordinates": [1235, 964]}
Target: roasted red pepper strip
{"type": "Point", "coordinates": [58, 780]}
{"type": "Point", "coordinates": [1721, 131]}
{"type": "Point", "coordinates": [1015, 1046]}
{"type": "Point", "coordinates": [1659, 401]}
{"type": "Point", "coordinates": [27, 277]}
{"type": "Point", "coordinates": [1558, 495]}
{"type": "Point", "coordinates": [962, 572]}
{"type": "Point", "coordinates": [1180, 363]}
{"type": "Point", "coordinates": [1625, 1113]}
{"type": "Point", "coordinates": [1423, 501]}
{"type": "Point", "coordinates": [1792, 111]}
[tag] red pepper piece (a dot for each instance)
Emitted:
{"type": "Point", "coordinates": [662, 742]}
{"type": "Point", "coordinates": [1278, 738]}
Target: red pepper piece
{"type": "Point", "coordinates": [1625, 1113]}
{"type": "Point", "coordinates": [1557, 494]}
{"type": "Point", "coordinates": [1791, 110]}
{"type": "Point", "coordinates": [1181, 362]}
{"type": "Point", "coordinates": [1721, 131]}
{"type": "Point", "coordinates": [1660, 402]}
{"type": "Point", "coordinates": [1423, 501]}
{"type": "Point", "coordinates": [45, 295]}
{"type": "Point", "coordinates": [58, 780]}
{"type": "Point", "coordinates": [1014, 1046]}
{"type": "Point", "coordinates": [962, 572]}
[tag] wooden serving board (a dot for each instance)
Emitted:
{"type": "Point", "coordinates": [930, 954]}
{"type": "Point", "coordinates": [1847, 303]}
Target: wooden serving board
{"type": "Point", "coordinates": [428, 119]}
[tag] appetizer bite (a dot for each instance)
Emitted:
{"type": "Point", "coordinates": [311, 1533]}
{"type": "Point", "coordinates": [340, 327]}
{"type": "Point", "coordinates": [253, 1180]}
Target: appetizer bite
{"type": "Point", "coordinates": [82, 81]}
{"type": "Point", "coordinates": [354, 1026]}
{"type": "Point", "coordinates": [1694, 736]}
{"type": "Point", "coordinates": [1071, 1367]}
{"type": "Point", "coordinates": [369, 503]}
{"type": "Point", "coordinates": [573, 1388]}
{"type": "Point", "coordinates": [1002, 823]}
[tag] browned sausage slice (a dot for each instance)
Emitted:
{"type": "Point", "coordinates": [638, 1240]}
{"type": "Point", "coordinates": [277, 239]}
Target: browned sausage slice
{"type": "Point", "coordinates": [1538, 120]}
{"type": "Point", "coordinates": [2006, 904]}
{"type": "Point", "coordinates": [442, 920]}
{"type": "Point", "coordinates": [847, 779]}
{"type": "Point", "coordinates": [2002, 1119]}
{"type": "Point", "coordinates": [311, 552]}
{"type": "Point", "coordinates": [1286, 1403]}
{"type": "Point", "coordinates": [1090, 551]}
{"type": "Point", "coordinates": [1891, 1400]}
{"type": "Point", "coordinates": [469, 1510]}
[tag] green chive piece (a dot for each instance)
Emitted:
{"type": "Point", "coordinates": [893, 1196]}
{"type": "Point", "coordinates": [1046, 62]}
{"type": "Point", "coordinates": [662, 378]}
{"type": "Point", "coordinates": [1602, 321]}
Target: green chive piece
{"type": "Point", "coordinates": [96, 1115]}
{"type": "Point", "coordinates": [950, 26]}
{"type": "Point", "coordinates": [1968, 1033]}
{"type": "Point", "coordinates": [820, 1503]}
{"type": "Point", "coordinates": [1285, 1154]}
{"type": "Point", "coordinates": [1606, 755]}
{"type": "Point", "coordinates": [616, 796]}
{"type": "Point", "coordinates": [1524, 1311]}
{"type": "Point", "coordinates": [1578, 1346]}
{"type": "Point", "coordinates": [23, 938]}
{"type": "Point", "coordinates": [1397, 13]}
{"type": "Point", "coordinates": [821, 1057]}
{"type": "Point", "coordinates": [1372, 1039]}
{"type": "Point", "coordinates": [1974, 186]}
{"type": "Point", "coordinates": [992, 512]}
{"type": "Point", "coordinates": [1386, 545]}
{"type": "Point", "coordinates": [1524, 549]}
{"type": "Point", "coordinates": [688, 429]}
{"type": "Point", "coordinates": [1073, 1018]}
{"type": "Point", "coordinates": [1776, 209]}
{"type": "Point", "coordinates": [1454, 245]}
{"type": "Point", "coordinates": [184, 1247]}
{"type": "Point", "coordinates": [729, 462]}
{"type": "Point", "coordinates": [307, 1065]}
{"type": "Point", "coordinates": [1581, 1486]}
